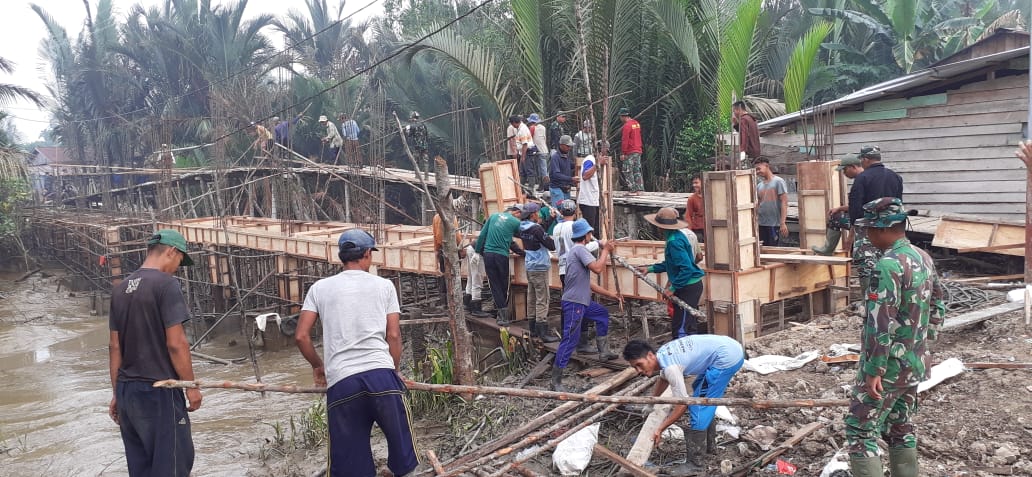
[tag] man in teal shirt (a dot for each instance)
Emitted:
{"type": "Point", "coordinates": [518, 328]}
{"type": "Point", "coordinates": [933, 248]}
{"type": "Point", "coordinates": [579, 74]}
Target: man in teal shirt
{"type": "Point", "coordinates": [494, 244]}
{"type": "Point", "coordinates": [678, 263]}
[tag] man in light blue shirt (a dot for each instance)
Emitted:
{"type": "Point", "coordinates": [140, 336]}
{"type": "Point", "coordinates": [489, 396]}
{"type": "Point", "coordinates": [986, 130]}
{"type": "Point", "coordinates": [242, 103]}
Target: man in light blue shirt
{"type": "Point", "coordinates": [350, 130]}
{"type": "Point", "coordinates": [713, 360]}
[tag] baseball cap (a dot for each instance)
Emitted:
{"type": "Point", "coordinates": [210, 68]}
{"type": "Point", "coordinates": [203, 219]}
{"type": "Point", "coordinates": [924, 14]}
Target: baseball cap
{"type": "Point", "coordinates": [530, 209]}
{"type": "Point", "coordinates": [516, 207]}
{"type": "Point", "coordinates": [883, 213]}
{"type": "Point", "coordinates": [624, 112]}
{"type": "Point", "coordinates": [870, 152]}
{"type": "Point", "coordinates": [849, 161]}
{"type": "Point", "coordinates": [565, 141]}
{"type": "Point", "coordinates": [172, 239]}
{"type": "Point", "coordinates": [533, 118]}
{"type": "Point", "coordinates": [356, 239]}
{"type": "Point", "coordinates": [581, 228]}
{"type": "Point", "coordinates": [567, 207]}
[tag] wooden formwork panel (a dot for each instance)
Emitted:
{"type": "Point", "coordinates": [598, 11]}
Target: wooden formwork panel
{"type": "Point", "coordinates": [731, 231]}
{"type": "Point", "coordinates": [499, 185]}
{"type": "Point", "coordinates": [737, 320]}
{"type": "Point", "coordinates": [821, 188]}
{"type": "Point", "coordinates": [971, 234]}
{"type": "Point", "coordinates": [779, 281]}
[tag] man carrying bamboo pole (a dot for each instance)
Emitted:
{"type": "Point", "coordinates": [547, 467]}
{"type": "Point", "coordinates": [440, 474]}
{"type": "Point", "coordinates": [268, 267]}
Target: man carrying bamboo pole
{"type": "Point", "coordinates": [713, 360]}
{"type": "Point", "coordinates": [148, 344]}
{"type": "Point", "coordinates": [904, 312]}
{"type": "Point", "coordinates": [679, 263]}
{"type": "Point", "coordinates": [362, 343]}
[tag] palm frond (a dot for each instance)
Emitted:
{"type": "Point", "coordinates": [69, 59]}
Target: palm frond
{"type": "Point", "coordinates": [527, 21]}
{"type": "Point", "coordinates": [675, 18]}
{"type": "Point", "coordinates": [734, 56]}
{"type": "Point", "coordinates": [801, 63]}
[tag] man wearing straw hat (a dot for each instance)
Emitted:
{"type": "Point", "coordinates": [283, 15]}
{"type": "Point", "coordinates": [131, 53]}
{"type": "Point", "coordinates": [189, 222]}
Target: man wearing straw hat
{"type": "Point", "coordinates": [678, 263]}
{"type": "Point", "coordinates": [148, 344]}
{"type": "Point", "coordinates": [360, 317]}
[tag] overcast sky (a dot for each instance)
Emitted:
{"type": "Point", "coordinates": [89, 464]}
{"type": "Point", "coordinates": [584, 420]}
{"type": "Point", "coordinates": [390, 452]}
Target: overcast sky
{"type": "Point", "coordinates": [23, 30]}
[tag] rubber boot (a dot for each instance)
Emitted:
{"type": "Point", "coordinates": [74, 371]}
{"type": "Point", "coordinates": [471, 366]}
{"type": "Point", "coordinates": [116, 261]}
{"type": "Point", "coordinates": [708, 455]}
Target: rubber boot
{"type": "Point", "coordinates": [603, 348]}
{"type": "Point", "coordinates": [544, 334]}
{"type": "Point", "coordinates": [477, 309]}
{"type": "Point", "coordinates": [534, 331]}
{"type": "Point", "coordinates": [557, 379]}
{"type": "Point", "coordinates": [502, 317]}
{"type": "Point", "coordinates": [695, 442]}
{"type": "Point", "coordinates": [903, 462]}
{"type": "Point", "coordinates": [831, 240]}
{"type": "Point", "coordinates": [584, 345]}
{"type": "Point", "coordinates": [711, 437]}
{"type": "Point", "coordinates": [467, 302]}
{"type": "Point", "coordinates": [865, 466]}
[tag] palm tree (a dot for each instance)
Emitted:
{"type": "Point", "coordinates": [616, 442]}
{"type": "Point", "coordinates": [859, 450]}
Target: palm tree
{"type": "Point", "coordinates": [11, 92]}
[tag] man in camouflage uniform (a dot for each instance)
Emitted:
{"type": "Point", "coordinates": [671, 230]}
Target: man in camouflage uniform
{"type": "Point", "coordinates": [904, 311]}
{"type": "Point", "coordinates": [417, 133]}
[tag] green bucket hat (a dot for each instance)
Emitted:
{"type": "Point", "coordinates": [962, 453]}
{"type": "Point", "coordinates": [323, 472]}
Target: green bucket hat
{"type": "Point", "coordinates": [172, 239]}
{"type": "Point", "coordinates": [883, 213]}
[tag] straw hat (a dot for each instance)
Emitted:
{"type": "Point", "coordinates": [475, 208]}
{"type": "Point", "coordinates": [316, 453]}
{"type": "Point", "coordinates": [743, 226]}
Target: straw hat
{"type": "Point", "coordinates": [667, 218]}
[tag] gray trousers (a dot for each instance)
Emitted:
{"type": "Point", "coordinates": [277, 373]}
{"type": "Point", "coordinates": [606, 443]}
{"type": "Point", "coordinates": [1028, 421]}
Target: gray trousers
{"type": "Point", "coordinates": [537, 295]}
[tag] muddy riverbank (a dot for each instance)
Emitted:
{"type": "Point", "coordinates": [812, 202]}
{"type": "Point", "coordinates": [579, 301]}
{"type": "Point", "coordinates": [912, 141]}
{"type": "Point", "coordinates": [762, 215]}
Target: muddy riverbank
{"type": "Point", "coordinates": [54, 366]}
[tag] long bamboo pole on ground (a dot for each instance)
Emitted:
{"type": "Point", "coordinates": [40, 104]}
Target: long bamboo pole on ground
{"type": "Point", "coordinates": [529, 393]}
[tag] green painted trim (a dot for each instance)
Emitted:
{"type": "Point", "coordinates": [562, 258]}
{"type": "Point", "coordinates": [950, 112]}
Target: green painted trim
{"type": "Point", "coordinates": [915, 102]}
{"type": "Point", "coordinates": [862, 116]}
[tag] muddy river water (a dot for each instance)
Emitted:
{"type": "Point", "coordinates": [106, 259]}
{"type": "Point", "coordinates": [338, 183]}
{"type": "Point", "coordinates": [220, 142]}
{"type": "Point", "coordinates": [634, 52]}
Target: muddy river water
{"type": "Point", "coordinates": [54, 391]}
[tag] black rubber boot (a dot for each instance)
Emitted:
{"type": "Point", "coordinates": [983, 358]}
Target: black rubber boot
{"type": "Point", "coordinates": [695, 442]}
{"type": "Point", "coordinates": [603, 348]}
{"type": "Point", "coordinates": [477, 309]}
{"type": "Point", "coordinates": [534, 332]}
{"type": "Point", "coordinates": [502, 317]}
{"type": "Point", "coordinates": [545, 335]}
{"type": "Point", "coordinates": [467, 302]}
{"type": "Point", "coordinates": [711, 437]}
{"type": "Point", "coordinates": [831, 240]}
{"type": "Point", "coordinates": [584, 344]}
{"type": "Point", "coordinates": [557, 379]}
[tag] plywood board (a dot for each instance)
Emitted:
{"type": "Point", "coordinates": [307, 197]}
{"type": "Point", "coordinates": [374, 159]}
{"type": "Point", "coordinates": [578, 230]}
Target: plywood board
{"type": "Point", "coordinates": [965, 234]}
{"type": "Point", "coordinates": [731, 230]}
{"type": "Point", "coordinates": [499, 185]}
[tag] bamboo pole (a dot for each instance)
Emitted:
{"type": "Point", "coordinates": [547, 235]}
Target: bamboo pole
{"type": "Point", "coordinates": [529, 393]}
{"type": "Point", "coordinates": [542, 420]}
{"type": "Point", "coordinates": [634, 469]}
{"type": "Point", "coordinates": [677, 301]}
{"type": "Point", "coordinates": [434, 462]}
{"type": "Point", "coordinates": [770, 455]}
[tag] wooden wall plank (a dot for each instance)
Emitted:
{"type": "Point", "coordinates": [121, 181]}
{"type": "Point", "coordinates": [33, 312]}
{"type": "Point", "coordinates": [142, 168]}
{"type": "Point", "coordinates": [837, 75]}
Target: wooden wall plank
{"type": "Point", "coordinates": [896, 133]}
{"type": "Point", "coordinates": [1013, 94]}
{"type": "Point", "coordinates": [904, 103]}
{"type": "Point", "coordinates": [931, 123]}
{"type": "Point", "coordinates": [998, 106]}
{"type": "Point", "coordinates": [972, 187]}
{"type": "Point", "coordinates": [859, 116]}
{"type": "Point", "coordinates": [921, 145]}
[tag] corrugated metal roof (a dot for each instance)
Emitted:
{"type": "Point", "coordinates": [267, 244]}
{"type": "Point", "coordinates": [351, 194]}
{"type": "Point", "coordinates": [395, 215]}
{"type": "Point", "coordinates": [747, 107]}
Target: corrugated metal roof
{"type": "Point", "coordinates": [900, 85]}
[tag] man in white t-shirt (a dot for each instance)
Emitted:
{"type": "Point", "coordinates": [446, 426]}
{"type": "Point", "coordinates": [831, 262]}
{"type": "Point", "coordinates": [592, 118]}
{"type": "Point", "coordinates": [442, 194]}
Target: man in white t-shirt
{"type": "Point", "coordinates": [362, 345]}
{"type": "Point", "coordinates": [517, 138]}
{"type": "Point", "coordinates": [587, 192]}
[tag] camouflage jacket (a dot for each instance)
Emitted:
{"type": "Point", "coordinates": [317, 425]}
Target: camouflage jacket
{"type": "Point", "coordinates": [904, 311]}
{"type": "Point", "coordinates": [420, 137]}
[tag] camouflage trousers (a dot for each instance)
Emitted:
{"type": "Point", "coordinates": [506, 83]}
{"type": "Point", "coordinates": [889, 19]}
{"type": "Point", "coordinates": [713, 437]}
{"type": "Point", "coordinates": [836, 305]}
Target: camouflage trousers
{"type": "Point", "coordinates": [632, 172]}
{"type": "Point", "coordinates": [865, 257]}
{"type": "Point", "coordinates": [424, 162]}
{"type": "Point", "coordinates": [888, 418]}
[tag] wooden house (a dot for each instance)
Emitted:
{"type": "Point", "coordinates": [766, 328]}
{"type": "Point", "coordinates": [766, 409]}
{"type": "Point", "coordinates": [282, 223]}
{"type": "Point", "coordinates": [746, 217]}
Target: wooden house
{"type": "Point", "coordinates": [950, 130]}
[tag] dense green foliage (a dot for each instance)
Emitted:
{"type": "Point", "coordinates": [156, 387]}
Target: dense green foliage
{"type": "Point", "coordinates": [188, 72]}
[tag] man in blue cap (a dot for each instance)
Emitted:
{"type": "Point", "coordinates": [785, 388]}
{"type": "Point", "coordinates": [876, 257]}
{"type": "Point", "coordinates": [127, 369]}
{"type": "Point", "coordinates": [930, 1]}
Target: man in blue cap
{"type": "Point", "coordinates": [577, 303]}
{"type": "Point", "coordinates": [148, 344]}
{"type": "Point", "coordinates": [362, 344]}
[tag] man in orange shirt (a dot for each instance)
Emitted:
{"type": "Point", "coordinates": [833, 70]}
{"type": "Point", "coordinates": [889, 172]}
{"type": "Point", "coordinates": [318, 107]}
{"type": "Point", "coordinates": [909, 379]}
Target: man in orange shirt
{"type": "Point", "coordinates": [695, 213]}
{"type": "Point", "coordinates": [630, 149]}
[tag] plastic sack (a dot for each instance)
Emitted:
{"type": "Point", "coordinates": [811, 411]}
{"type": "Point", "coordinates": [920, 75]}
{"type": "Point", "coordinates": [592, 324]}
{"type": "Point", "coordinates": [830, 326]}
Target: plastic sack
{"type": "Point", "coordinates": [572, 455]}
{"type": "Point", "coordinates": [771, 363]}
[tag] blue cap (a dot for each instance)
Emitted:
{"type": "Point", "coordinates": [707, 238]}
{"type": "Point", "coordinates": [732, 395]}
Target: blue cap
{"type": "Point", "coordinates": [529, 209]}
{"type": "Point", "coordinates": [356, 239]}
{"type": "Point", "coordinates": [533, 118]}
{"type": "Point", "coordinates": [581, 228]}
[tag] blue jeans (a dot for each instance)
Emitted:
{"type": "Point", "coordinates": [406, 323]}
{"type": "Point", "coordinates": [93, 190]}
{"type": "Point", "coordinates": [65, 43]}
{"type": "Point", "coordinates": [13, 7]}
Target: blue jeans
{"type": "Point", "coordinates": [353, 405]}
{"type": "Point", "coordinates": [712, 384]}
{"type": "Point", "coordinates": [556, 195]}
{"type": "Point", "coordinates": [155, 429]}
{"type": "Point", "coordinates": [573, 315]}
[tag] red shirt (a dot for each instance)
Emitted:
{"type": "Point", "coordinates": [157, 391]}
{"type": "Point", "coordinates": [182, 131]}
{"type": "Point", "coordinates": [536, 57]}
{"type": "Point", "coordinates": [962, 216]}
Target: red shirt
{"type": "Point", "coordinates": [630, 137]}
{"type": "Point", "coordinates": [695, 215]}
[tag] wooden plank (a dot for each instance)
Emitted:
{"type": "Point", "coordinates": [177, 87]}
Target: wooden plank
{"type": "Point", "coordinates": [896, 133]}
{"type": "Point", "coordinates": [859, 116]}
{"type": "Point", "coordinates": [630, 467]}
{"type": "Point", "coordinates": [932, 123]}
{"type": "Point", "coordinates": [1005, 82]}
{"type": "Point", "coordinates": [901, 103]}
{"type": "Point", "coordinates": [944, 157]}
{"type": "Point", "coordinates": [976, 187]}
{"type": "Point", "coordinates": [642, 448]}
{"type": "Point", "coordinates": [977, 316]}
{"type": "Point", "coordinates": [810, 259]}
{"type": "Point", "coordinates": [1000, 106]}
{"type": "Point", "coordinates": [918, 173]}
{"type": "Point", "coordinates": [1013, 94]}
{"type": "Point", "coordinates": [921, 145]}
{"type": "Point", "coordinates": [964, 233]}
{"type": "Point", "coordinates": [1017, 276]}
{"type": "Point", "coordinates": [937, 201]}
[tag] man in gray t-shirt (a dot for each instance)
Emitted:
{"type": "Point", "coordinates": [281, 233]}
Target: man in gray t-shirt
{"type": "Point", "coordinates": [772, 211]}
{"type": "Point", "coordinates": [576, 302]}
